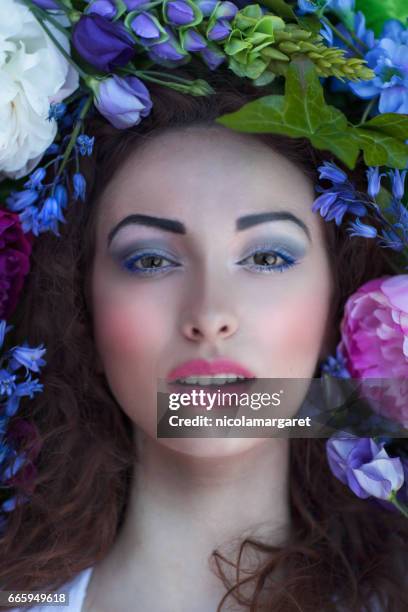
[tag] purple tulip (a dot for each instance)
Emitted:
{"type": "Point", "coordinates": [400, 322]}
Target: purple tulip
{"type": "Point", "coordinates": [179, 13]}
{"type": "Point", "coordinates": [364, 466]}
{"type": "Point", "coordinates": [103, 44]}
{"type": "Point", "coordinates": [104, 8]}
{"type": "Point", "coordinates": [123, 101]}
{"type": "Point", "coordinates": [144, 26]}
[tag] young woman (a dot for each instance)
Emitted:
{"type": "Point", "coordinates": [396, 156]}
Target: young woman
{"type": "Point", "coordinates": [155, 270]}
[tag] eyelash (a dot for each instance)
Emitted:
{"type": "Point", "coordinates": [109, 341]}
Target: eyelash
{"type": "Point", "coordinates": [289, 262]}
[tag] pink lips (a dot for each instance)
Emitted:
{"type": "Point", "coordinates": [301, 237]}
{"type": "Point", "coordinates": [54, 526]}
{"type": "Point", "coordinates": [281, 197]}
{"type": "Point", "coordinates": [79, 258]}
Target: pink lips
{"type": "Point", "coordinates": [200, 367]}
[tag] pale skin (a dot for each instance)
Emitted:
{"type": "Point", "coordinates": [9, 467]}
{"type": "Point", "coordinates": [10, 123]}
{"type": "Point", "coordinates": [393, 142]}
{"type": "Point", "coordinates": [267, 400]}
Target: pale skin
{"type": "Point", "coordinates": [190, 496]}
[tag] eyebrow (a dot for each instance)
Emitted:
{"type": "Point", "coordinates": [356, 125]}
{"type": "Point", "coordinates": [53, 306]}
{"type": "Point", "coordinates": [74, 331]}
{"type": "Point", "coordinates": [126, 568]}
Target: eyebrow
{"type": "Point", "coordinates": [177, 227]}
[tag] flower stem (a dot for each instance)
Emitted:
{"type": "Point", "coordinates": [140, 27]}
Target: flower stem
{"type": "Point", "coordinates": [74, 135]}
{"type": "Point", "coordinates": [41, 15]}
{"type": "Point", "coordinates": [401, 507]}
{"type": "Point", "coordinates": [38, 13]}
{"type": "Point", "coordinates": [342, 37]}
{"type": "Point", "coordinates": [367, 111]}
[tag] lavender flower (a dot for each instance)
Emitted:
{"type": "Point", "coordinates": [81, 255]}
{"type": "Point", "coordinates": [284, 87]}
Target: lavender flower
{"type": "Point", "coordinates": [123, 101]}
{"type": "Point", "coordinates": [179, 13]}
{"type": "Point", "coordinates": [105, 8]}
{"type": "Point", "coordinates": [364, 466]}
{"type": "Point", "coordinates": [147, 27]}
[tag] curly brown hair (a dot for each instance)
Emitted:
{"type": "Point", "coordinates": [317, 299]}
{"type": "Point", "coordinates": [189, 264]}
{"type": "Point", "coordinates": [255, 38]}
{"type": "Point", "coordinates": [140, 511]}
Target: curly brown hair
{"type": "Point", "coordinates": [338, 543]}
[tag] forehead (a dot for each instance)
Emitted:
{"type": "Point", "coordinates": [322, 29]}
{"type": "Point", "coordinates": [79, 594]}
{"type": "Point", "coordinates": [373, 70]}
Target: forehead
{"type": "Point", "coordinates": [199, 173]}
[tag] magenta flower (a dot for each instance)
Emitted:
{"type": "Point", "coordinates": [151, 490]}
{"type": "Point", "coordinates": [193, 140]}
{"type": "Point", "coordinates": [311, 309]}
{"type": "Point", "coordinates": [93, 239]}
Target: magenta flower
{"type": "Point", "coordinates": [375, 343]}
{"type": "Point", "coordinates": [15, 251]}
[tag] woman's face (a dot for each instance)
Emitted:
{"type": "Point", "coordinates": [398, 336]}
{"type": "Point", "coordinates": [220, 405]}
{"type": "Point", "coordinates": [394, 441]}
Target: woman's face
{"type": "Point", "coordinates": [205, 284]}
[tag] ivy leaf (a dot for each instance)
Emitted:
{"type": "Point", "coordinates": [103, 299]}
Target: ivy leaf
{"type": "Point", "coordinates": [378, 12]}
{"type": "Point", "coordinates": [301, 113]}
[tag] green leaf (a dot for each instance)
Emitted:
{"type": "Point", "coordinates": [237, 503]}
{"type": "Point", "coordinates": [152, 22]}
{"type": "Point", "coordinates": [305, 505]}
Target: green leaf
{"type": "Point", "coordinates": [378, 11]}
{"type": "Point", "coordinates": [281, 8]}
{"type": "Point", "coordinates": [301, 113]}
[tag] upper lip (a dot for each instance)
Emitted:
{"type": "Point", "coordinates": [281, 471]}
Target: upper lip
{"type": "Point", "coordinates": [201, 367]}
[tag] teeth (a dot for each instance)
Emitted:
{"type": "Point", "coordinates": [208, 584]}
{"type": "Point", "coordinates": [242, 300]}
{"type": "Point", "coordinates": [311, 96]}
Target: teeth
{"type": "Point", "coordinates": [220, 379]}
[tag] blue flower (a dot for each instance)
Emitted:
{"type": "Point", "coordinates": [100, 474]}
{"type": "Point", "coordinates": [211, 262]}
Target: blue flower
{"type": "Point", "coordinates": [29, 220]}
{"type": "Point", "coordinates": [219, 30]}
{"type": "Point", "coordinates": [50, 213]}
{"type": "Point", "coordinates": [340, 199]}
{"type": "Point", "coordinates": [61, 195]}
{"type": "Point", "coordinates": [19, 200]}
{"type": "Point", "coordinates": [56, 111]}
{"type": "Point", "coordinates": [397, 182]}
{"type": "Point", "coordinates": [332, 173]}
{"type": "Point", "coordinates": [389, 61]}
{"type": "Point", "coordinates": [30, 358]}
{"type": "Point", "coordinates": [336, 366]}
{"type": "Point", "coordinates": [357, 228]}
{"type": "Point", "coordinates": [35, 179]}
{"type": "Point", "coordinates": [85, 144]}
{"type": "Point", "coordinates": [374, 181]}
{"type": "Point", "coordinates": [79, 186]}
{"type": "Point", "coordinates": [7, 382]}
{"type": "Point", "coordinates": [4, 328]}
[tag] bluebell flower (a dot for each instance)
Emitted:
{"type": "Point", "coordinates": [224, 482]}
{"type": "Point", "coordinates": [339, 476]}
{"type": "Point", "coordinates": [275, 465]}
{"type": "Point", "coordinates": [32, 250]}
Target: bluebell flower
{"type": "Point", "coordinates": [79, 184]}
{"type": "Point", "coordinates": [374, 181]}
{"type": "Point", "coordinates": [4, 329]}
{"type": "Point", "coordinates": [7, 382]}
{"type": "Point", "coordinates": [327, 34]}
{"type": "Point", "coordinates": [56, 111]}
{"type": "Point", "coordinates": [397, 182]}
{"type": "Point", "coordinates": [30, 358]}
{"type": "Point", "coordinates": [19, 200]}
{"type": "Point", "coordinates": [29, 220]}
{"type": "Point", "coordinates": [85, 144]}
{"type": "Point", "coordinates": [14, 462]}
{"type": "Point", "coordinates": [50, 213]}
{"type": "Point", "coordinates": [35, 179]}
{"type": "Point", "coordinates": [389, 61]}
{"type": "Point", "coordinates": [340, 199]}
{"type": "Point", "coordinates": [391, 240]}
{"type": "Point", "coordinates": [358, 228]}
{"type": "Point", "coordinates": [26, 388]}
{"type": "Point", "coordinates": [332, 173]}
{"type": "Point", "coordinates": [336, 366]}
{"type": "Point", "coordinates": [61, 195]}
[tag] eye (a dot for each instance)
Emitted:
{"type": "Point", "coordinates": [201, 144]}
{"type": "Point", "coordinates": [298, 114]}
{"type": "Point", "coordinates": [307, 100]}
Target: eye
{"type": "Point", "coordinates": [148, 263]}
{"type": "Point", "coordinates": [269, 260]}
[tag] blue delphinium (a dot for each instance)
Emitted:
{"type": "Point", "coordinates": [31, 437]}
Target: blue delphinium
{"type": "Point", "coordinates": [389, 61]}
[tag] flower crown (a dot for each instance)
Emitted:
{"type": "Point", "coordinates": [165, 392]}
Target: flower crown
{"type": "Point", "coordinates": [338, 75]}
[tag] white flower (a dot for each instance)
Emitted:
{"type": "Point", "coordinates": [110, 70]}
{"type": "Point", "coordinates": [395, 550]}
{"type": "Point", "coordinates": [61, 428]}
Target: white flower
{"type": "Point", "coordinates": [33, 73]}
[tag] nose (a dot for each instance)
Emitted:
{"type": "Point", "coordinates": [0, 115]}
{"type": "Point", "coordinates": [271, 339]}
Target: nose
{"type": "Point", "coordinates": [210, 326]}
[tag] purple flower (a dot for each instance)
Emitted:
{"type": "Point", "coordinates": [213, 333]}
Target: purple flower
{"type": "Point", "coordinates": [123, 101]}
{"type": "Point", "coordinates": [79, 183]}
{"type": "Point", "coordinates": [193, 41]}
{"type": "Point", "coordinates": [336, 366]}
{"type": "Point", "coordinates": [179, 13]}
{"type": "Point", "coordinates": [168, 50]}
{"type": "Point", "coordinates": [338, 200]}
{"type": "Point", "coordinates": [212, 57]}
{"type": "Point", "coordinates": [135, 4]}
{"type": "Point", "coordinates": [219, 30]}
{"type": "Point", "coordinates": [145, 26]}
{"type": "Point", "coordinates": [103, 44]}
{"type": "Point", "coordinates": [364, 466]}
{"type": "Point", "coordinates": [46, 4]}
{"type": "Point", "coordinates": [226, 10]}
{"type": "Point", "coordinates": [389, 61]}
{"type": "Point", "coordinates": [398, 183]}
{"type": "Point", "coordinates": [15, 251]}
{"type": "Point", "coordinates": [104, 8]}
{"type": "Point", "coordinates": [206, 6]}
{"type": "Point", "coordinates": [374, 181]}
{"type": "Point", "coordinates": [358, 228]}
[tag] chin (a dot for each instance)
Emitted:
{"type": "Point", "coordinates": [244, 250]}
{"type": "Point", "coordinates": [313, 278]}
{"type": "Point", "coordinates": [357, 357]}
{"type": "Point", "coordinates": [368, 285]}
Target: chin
{"type": "Point", "coordinates": [211, 448]}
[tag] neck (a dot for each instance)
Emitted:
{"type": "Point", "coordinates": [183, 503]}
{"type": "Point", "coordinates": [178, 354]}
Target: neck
{"type": "Point", "coordinates": [183, 507]}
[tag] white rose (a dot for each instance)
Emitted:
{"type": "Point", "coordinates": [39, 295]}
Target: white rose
{"type": "Point", "coordinates": [33, 73]}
